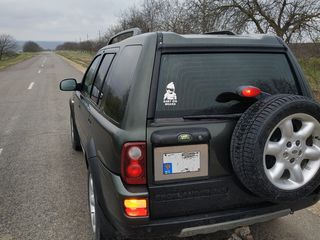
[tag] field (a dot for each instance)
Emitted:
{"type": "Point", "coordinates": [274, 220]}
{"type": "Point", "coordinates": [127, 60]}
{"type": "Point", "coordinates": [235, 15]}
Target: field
{"type": "Point", "coordinates": [8, 61]}
{"type": "Point", "coordinates": [81, 58]}
{"type": "Point", "coordinates": [311, 69]}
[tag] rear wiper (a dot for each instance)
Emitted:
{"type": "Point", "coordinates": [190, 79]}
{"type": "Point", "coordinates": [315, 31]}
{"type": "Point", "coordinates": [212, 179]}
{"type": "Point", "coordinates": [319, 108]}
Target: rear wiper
{"type": "Point", "coordinates": [213, 116]}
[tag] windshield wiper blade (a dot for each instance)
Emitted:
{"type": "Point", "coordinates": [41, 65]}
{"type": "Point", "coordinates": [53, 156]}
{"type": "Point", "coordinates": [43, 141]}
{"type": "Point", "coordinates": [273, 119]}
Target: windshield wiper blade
{"type": "Point", "coordinates": [213, 116]}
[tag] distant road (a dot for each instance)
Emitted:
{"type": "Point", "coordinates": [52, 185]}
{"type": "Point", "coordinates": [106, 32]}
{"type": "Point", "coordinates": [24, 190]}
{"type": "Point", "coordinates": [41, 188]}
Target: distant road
{"type": "Point", "coordinates": [43, 181]}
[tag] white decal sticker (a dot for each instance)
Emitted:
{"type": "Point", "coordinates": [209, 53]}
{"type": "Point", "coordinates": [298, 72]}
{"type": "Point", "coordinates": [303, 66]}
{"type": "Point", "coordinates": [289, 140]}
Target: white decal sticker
{"type": "Point", "coordinates": [170, 97]}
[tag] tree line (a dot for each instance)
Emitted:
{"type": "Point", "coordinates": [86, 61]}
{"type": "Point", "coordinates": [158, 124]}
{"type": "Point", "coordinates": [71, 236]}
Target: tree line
{"type": "Point", "coordinates": [291, 20]}
{"type": "Point", "coordinates": [87, 46]}
{"type": "Point", "coordinates": [9, 46]}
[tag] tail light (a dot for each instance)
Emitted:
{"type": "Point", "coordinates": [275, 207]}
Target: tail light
{"type": "Point", "coordinates": [136, 207]}
{"type": "Point", "coordinates": [133, 163]}
{"type": "Point", "coordinates": [249, 91]}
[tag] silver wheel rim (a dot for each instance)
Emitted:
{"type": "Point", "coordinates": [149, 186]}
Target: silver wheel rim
{"type": "Point", "coordinates": [291, 155]}
{"type": "Point", "coordinates": [92, 205]}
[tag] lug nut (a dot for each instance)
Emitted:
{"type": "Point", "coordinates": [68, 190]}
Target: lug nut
{"type": "Point", "coordinates": [292, 160]}
{"type": "Point", "coordinates": [289, 144]}
{"type": "Point", "coordinates": [298, 142]}
{"type": "Point", "coordinates": [300, 153]}
{"type": "Point", "coordinates": [285, 154]}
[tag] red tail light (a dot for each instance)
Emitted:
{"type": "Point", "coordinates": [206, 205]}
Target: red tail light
{"type": "Point", "coordinates": [250, 91]}
{"type": "Point", "coordinates": [133, 163]}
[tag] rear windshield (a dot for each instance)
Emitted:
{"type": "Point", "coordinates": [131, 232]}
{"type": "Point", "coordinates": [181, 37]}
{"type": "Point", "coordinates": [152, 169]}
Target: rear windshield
{"type": "Point", "coordinates": [189, 84]}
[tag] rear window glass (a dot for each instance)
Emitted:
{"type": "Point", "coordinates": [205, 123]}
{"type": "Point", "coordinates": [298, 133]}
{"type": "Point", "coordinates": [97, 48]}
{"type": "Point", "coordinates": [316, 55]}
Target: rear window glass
{"type": "Point", "coordinates": [189, 84]}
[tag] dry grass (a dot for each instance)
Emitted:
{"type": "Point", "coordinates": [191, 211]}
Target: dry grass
{"type": "Point", "coordinates": [8, 61]}
{"type": "Point", "coordinates": [82, 58]}
{"type": "Point", "coordinates": [311, 68]}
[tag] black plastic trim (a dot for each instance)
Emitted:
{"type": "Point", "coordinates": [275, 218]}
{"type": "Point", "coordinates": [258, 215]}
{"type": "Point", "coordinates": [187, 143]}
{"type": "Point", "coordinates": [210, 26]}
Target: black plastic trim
{"type": "Point", "coordinates": [169, 137]}
{"type": "Point", "coordinates": [155, 76]}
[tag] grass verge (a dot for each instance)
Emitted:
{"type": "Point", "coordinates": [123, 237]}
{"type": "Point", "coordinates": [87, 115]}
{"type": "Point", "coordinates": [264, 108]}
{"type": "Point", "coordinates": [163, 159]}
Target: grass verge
{"type": "Point", "coordinates": [311, 69]}
{"type": "Point", "coordinates": [12, 60]}
{"type": "Point", "coordinates": [81, 58]}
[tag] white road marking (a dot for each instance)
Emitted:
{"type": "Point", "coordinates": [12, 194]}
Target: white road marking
{"type": "Point", "coordinates": [1, 149]}
{"type": "Point", "coordinates": [31, 85]}
{"type": "Point", "coordinates": [39, 71]}
{"type": "Point", "coordinates": [43, 62]}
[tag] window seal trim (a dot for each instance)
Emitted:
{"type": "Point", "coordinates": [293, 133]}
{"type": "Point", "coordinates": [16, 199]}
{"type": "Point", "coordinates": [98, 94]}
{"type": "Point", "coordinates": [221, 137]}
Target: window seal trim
{"type": "Point", "coordinates": [105, 77]}
{"type": "Point", "coordinates": [85, 74]}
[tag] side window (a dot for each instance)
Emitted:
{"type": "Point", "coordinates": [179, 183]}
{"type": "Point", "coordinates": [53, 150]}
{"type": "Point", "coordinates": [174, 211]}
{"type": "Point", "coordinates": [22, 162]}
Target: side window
{"type": "Point", "coordinates": [89, 77]}
{"type": "Point", "coordinates": [117, 86]}
{"type": "Point", "coordinates": [102, 72]}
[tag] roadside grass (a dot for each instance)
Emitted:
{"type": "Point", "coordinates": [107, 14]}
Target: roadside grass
{"type": "Point", "coordinates": [311, 69]}
{"type": "Point", "coordinates": [79, 57]}
{"type": "Point", "coordinates": [20, 57]}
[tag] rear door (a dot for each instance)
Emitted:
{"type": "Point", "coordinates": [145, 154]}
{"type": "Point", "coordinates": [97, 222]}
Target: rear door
{"type": "Point", "coordinates": [82, 103]}
{"type": "Point", "coordinates": [190, 131]}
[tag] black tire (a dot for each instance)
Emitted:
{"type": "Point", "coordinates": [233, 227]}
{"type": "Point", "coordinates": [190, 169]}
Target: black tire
{"type": "Point", "coordinates": [249, 139]}
{"type": "Point", "coordinates": [103, 230]}
{"type": "Point", "coordinates": [75, 139]}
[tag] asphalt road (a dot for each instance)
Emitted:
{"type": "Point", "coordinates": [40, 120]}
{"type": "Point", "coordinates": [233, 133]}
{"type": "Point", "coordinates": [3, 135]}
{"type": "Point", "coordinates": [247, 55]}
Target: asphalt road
{"type": "Point", "coordinates": [43, 181]}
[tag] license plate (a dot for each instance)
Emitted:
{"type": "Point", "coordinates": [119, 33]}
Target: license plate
{"type": "Point", "coordinates": [181, 162]}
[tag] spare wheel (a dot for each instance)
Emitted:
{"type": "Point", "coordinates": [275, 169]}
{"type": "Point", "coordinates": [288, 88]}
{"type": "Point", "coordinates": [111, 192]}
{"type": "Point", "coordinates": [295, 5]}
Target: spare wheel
{"type": "Point", "coordinates": [275, 147]}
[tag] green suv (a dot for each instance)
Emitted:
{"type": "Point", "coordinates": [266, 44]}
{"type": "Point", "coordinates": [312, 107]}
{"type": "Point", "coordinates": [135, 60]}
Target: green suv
{"type": "Point", "coordinates": [192, 134]}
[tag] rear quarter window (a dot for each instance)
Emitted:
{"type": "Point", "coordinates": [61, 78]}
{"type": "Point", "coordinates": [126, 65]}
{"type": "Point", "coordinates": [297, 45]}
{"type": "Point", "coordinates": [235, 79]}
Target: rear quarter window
{"type": "Point", "coordinates": [118, 84]}
{"type": "Point", "coordinates": [189, 84]}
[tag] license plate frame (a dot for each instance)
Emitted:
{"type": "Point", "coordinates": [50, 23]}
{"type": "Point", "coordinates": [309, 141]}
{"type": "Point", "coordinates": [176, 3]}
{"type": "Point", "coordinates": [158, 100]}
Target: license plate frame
{"type": "Point", "coordinates": [180, 162]}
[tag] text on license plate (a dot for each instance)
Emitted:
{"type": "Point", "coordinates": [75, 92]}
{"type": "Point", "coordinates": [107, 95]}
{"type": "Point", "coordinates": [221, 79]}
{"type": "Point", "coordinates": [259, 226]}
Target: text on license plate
{"type": "Point", "coordinates": [181, 162]}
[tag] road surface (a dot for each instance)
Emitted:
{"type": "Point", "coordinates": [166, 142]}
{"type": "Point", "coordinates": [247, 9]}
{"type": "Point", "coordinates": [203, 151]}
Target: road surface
{"type": "Point", "coordinates": [43, 181]}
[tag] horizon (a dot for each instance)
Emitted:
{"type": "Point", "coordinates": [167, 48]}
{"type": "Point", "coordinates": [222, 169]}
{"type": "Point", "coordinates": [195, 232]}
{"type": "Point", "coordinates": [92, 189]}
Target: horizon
{"type": "Point", "coordinates": [73, 20]}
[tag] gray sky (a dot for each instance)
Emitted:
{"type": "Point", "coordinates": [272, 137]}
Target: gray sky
{"type": "Point", "coordinates": [59, 20]}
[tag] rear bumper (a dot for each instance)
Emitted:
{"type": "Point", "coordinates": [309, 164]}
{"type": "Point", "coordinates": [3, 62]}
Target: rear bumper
{"type": "Point", "coordinates": [206, 229]}
{"type": "Point", "coordinates": [206, 223]}
{"type": "Point", "coordinates": [113, 192]}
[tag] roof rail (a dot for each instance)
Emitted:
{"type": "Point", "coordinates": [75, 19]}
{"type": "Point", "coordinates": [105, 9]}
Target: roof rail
{"type": "Point", "coordinates": [221, 33]}
{"type": "Point", "coordinates": [124, 35]}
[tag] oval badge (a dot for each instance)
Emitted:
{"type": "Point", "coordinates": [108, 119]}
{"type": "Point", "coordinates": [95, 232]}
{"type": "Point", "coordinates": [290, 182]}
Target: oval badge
{"type": "Point", "coordinates": [184, 137]}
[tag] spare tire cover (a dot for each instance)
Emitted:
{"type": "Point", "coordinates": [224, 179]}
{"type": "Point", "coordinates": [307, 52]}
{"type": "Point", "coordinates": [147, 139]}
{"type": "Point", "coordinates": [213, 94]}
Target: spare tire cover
{"type": "Point", "coordinates": [275, 147]}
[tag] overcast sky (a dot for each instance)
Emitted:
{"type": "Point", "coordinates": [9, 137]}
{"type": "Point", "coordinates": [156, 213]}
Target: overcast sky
{"type": "Point", "coordinates": [59, 20]}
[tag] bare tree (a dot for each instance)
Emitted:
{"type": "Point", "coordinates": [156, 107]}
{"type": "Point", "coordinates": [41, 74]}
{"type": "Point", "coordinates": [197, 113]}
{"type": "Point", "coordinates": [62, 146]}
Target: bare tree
{"type": "Point", "coordinates": [292, 20]}
{"type": "Point", "coordinates": [7, 44]}
{"type": "Point", "coordinates": [146, 17]}
{"type": "Point", "coordinates": [202, 15]}
{"type": "Point", "coordinates": [174, 16]}
{"type": "Point", "coordinates": [288, 19]}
